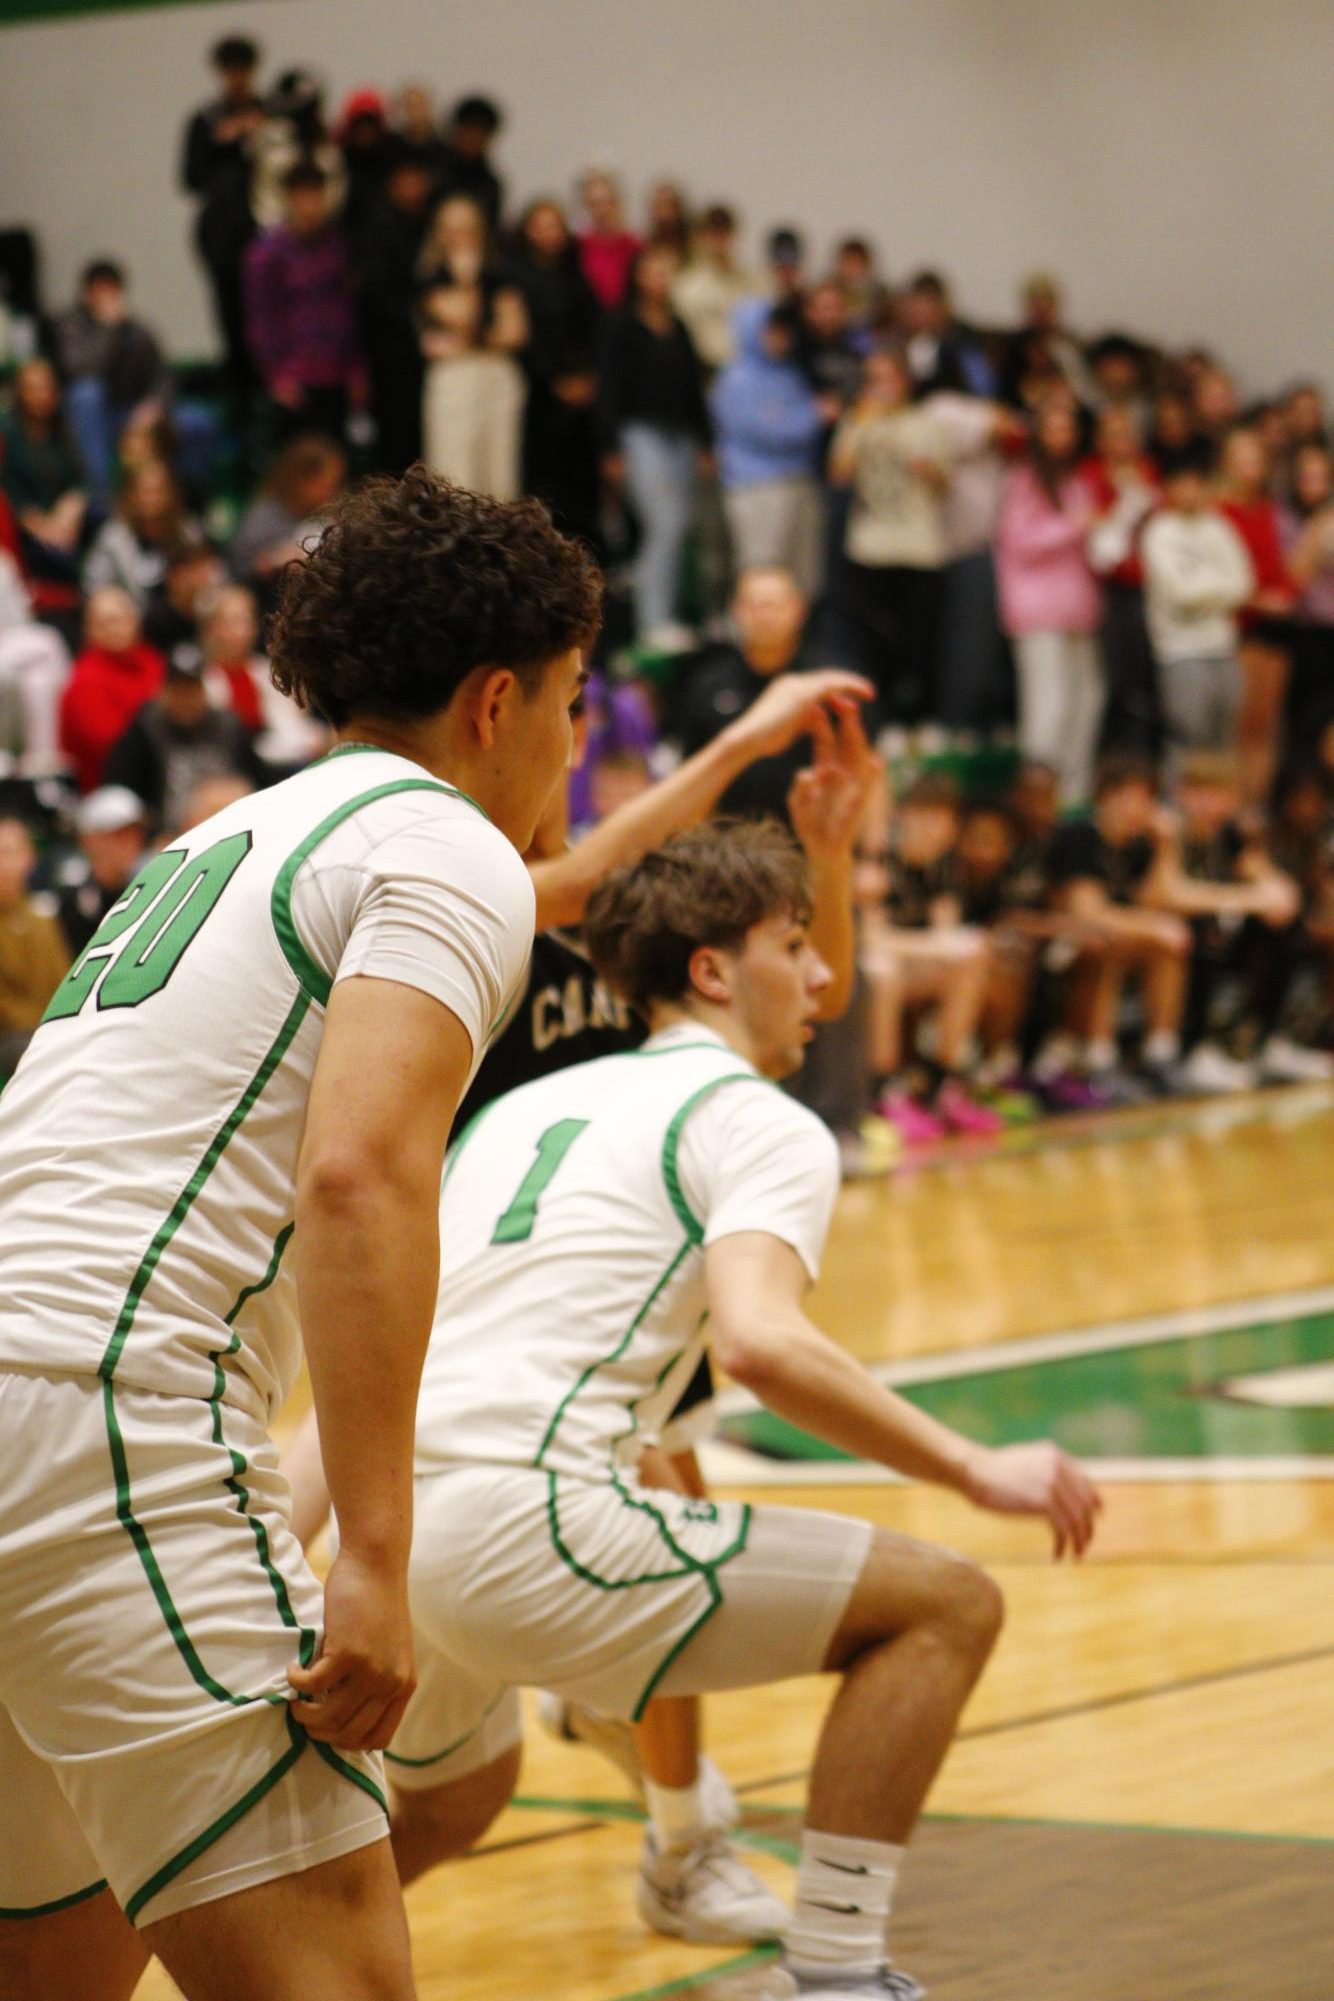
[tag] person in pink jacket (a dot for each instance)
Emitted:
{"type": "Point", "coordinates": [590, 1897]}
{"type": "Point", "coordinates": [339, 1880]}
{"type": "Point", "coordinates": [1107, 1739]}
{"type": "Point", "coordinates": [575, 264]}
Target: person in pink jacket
{"type": "Point", "coordinates": [1050, 603]}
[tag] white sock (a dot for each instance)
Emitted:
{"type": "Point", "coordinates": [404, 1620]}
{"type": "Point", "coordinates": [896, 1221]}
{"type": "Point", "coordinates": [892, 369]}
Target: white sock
{"type": "Point", "coordinates": [676, 1814]}
{"type": "Point", "coordinates": [1056, 1054]}
{"type": "Point", "coordinates": [1099, 1053]}
{"type": "Point", "coordinates": [1162, 1046]}
{"type": "Point", "coordinates": [845, 1889]}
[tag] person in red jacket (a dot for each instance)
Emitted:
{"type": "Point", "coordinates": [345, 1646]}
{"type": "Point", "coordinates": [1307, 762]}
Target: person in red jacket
{"type": "Point", "coordinates": [1265, 652]}
{"type": "Point", "coordinates": [113, 677]}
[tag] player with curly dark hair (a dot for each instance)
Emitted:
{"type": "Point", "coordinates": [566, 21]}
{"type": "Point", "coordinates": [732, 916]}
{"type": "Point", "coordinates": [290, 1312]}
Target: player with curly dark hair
{"type": "Point", "coordinates": [414, 585]}
{"type": "Point", "coordinates": [226, 1137]}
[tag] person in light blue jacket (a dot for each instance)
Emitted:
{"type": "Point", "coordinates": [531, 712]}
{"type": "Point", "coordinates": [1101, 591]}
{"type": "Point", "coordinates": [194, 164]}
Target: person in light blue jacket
{"type": "Point", "coordinates": [769, 423]}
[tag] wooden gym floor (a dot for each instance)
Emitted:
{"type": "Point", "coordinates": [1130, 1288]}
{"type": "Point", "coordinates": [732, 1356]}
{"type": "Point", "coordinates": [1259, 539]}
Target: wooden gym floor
{"type": "Point", "coordinates": [1141, 1803]}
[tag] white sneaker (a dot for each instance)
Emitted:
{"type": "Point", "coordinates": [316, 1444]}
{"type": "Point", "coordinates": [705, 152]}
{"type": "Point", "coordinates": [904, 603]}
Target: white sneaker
{"type": "Point", "coordinates": [889, 1984]}
{"type": "Point", "coordinates": [1210, 1070]}
{"type": "Point", "coordinates": [720, 1806]}
{"type": "Point", "coordinates": [607, 1735]}
{"type": "Point", "coordinates": [1282, 1061]}
{"type": "Point", "coordinates": [707, 1895]}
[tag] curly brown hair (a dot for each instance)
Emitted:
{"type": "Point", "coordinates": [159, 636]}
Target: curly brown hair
{"type": "Point", "coordinates": [413, 585]}
{"type": "Point", "coordinates": [709, 886]}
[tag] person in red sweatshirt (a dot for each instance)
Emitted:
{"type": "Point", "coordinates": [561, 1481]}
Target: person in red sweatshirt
{"type": "Point", "coordinates": [1265, 651]}
{"type": "Point", "coordinates": [114, 675]}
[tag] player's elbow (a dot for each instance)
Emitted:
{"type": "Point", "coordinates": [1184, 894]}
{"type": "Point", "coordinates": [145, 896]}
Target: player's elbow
{"type": "Point", "coordinates": [747, 1355]}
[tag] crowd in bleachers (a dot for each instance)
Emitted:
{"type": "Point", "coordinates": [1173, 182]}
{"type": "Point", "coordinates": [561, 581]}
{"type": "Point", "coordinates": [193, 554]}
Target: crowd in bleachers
{"type": "Point", "coordinates": [1092, 585]}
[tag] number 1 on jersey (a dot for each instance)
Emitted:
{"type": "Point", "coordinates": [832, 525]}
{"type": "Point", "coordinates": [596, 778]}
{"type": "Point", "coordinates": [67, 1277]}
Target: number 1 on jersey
{"type": "Point", "coordinates": [516, 1225]}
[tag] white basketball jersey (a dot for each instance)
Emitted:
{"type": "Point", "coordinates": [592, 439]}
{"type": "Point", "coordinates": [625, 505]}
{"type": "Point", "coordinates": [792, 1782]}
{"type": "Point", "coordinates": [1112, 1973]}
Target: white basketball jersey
{"type": "Point", "coordinates": [574, 1219]}
{"type": "Point", "coordinates": [148, 1140]}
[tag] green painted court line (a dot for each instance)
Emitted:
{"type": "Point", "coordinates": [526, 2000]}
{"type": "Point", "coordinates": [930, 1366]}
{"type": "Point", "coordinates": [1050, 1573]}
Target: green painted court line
{"type": "Point", "coordinates": [1151, 1399]}
{"type": "Point", "coordinates": [759, 1957]}
{"type": "Point", "coordinates": [604, 1809]}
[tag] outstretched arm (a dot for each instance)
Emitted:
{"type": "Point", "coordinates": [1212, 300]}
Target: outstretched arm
{"type": "Point", "coordinates": [787, 709]}
{"type": "Point", "coordinates": [761, 1337]}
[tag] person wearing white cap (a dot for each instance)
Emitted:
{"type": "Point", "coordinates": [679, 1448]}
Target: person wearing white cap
{"type": "Point", "coordinates": [112, 825]}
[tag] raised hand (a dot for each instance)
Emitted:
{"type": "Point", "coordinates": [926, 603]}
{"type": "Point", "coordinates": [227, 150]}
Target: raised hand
{"type": "Point", "coordinates": [826, 801]}
{"type": "Point", "coordinates": [791, 706]}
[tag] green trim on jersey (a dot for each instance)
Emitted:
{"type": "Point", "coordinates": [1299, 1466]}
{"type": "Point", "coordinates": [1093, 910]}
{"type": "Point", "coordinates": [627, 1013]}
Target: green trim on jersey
{"type": "Point", "coordinates": [418, 1764]}
{"type": "Point", "coordinates": [185, 1201]}
{"type": "Point", "coordinates": [57, 1903]}
{"type": "Point", "coordinates": [346, 1771]}
{"type": "Point", "coordinates": [308, 1638]}
{"type": "Point", "coordinates": [194, 1849]}
{"type": "Point", "coordinates": [315, 983]}
{"type": "Point", "coordinates": [148, 1264]}
{"type": "Point", "coordinates": [685, 1565]}
{"type": "Point", "coordinates": [347, 749]}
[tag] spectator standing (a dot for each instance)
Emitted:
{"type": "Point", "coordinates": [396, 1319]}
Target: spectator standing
{"type": "Point", "coordinates": [465, 164]}
{"type": "Point", "coordinates": [707, 292]}
{"type": "Point", "coordinates": [175, 741]}
{"type": "Point", "coordinates": [131, 550]}
{"type": "Point", "coordinates": [894, 455]}
{"type": "Point", "coordinates": [1126, 489]}
{"type": "Point", "coordinates": [414, 122]}
{"type": "Point", "coordinates": [941, 354]}
{"type": "Point", "coordinates": [1197, 575]}
{"type": "Point", "coordinates": [215, 169]}
{"type": "Point", "coordinates": [301, 316]}
{"type": "Point", "coordinates": [656, 435]}
{"type": "Point", "coordinates": [293, 133]}
{"type": "Point", "coordinates": [668, 219]}
{"type": "Point", "coordinates": [1308, 533]}
{"type": "Point", "coordinates": [33, 958]}
{"type": "Point", "coordinates": [362, 136]}
{"type": "Point", "coordinates": [1049, 599]}
{"type": "Point", "coordinates": [474, 326]}
{"type": "Point", "coordinates": [607, 249]}
{"type": "Point", "coordinates": [829, 353]}
{"type": "Point", "coordinates": [560, 360]}
{"type": "Point", "coordinates": [112, 827]}
{"type": "Point", "coordinates": [975, 665]}
{"type": "Point", "coordinates": [1265, 637]}
{"type": "Point", "coordinates": [867, 299]}
{"type": "Point", "coordinates": [768, 425]}
{"type": "Point", "coordinates": [1044, 346]}
{"type": "Point", "coordinates": [785, 256]}
{"type": "Point", "coordinates": [386, 247]}
{"type": "Point", "coordinates": [114, 675]}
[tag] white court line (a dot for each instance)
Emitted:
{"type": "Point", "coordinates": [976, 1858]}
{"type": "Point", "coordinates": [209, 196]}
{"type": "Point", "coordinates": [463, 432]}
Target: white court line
{"type": "Point", "coordinates": [726, 1465]}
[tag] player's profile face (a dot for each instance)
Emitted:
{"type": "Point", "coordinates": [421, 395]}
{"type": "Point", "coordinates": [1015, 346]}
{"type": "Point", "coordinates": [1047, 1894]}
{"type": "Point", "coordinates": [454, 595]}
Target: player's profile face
{"type": "Point", "coordinates": [779, 980]}
{"type": "Point", "coordinates": [537, 746]}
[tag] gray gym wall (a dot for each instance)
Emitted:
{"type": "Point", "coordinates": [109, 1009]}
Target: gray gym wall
{"type": "Point", "coordinates": [1171, 160]}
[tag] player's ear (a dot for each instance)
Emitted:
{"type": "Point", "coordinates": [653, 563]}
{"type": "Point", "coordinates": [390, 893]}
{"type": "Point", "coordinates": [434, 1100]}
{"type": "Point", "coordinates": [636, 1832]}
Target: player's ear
{"type": "Point", "coordinates": [490, 693]}
{"type": "Point", "coordinates": [711, 974]}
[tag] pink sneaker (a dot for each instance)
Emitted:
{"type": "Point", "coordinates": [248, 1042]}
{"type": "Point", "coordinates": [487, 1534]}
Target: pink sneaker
{"type": "Point", "coordinates": [916, 1124]}
{"type": "Point", "coordinates": [962, 1114]}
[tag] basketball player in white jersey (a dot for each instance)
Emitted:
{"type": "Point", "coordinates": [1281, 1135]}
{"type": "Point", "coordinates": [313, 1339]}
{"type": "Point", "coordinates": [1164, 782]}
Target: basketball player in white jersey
{"type": "Point", "coordinates": [590, 1221]}
{"type": "Point", "coordinates": [234, 1113]}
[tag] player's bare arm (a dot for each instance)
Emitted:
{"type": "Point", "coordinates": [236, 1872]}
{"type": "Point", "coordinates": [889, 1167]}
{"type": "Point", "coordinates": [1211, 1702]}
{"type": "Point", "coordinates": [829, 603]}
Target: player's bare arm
{"type": "Point", "coordinates": [367, 1259]}
{"type": "Point", "coordinates": [792, 706]}
{"type": "Point", "coordinates": [762, 1337]}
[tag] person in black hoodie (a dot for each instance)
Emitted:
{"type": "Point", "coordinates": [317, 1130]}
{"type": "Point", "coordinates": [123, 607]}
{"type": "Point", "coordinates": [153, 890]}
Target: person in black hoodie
{"type": "Point", "coordinates": [215, 169]}
{"type": "Point", "coordinates": [385, 248]}
{"type": "Point", "coordinates": [465, 166]}
{"type": "Point", "coordinates": [560, 433]}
